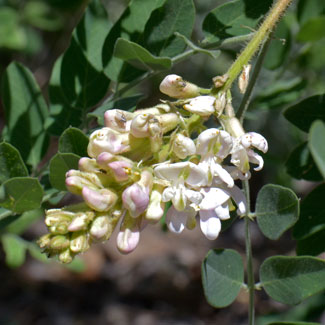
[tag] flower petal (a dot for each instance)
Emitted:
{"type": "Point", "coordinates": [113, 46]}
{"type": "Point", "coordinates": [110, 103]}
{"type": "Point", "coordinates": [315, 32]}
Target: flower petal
{"type": "Point", "coordinates": [176, 220]}
{"type": "Point", "coordinates": [206, 140]}
{"type": "Point", "coordinates": [239, 198]}
{"type": "Point", "coordinates": [253, 139]}
{"type": "Point", "coordinates": [213, 197]}
{"type": "Point", "coordinates": [201, 105]}
{"type": "Point", "coordinates": [210, 224]}
{"type": "Point", "coordinates": [255, 159]}
{"type": "Point", "coordinates": [218, 170]}
{"type": "Point", "coordinates": [222, 211]}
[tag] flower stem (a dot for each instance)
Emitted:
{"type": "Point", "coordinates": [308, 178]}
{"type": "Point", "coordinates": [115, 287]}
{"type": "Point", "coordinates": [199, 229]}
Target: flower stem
{"type": "Point", "coordinates": [247, 96]}
{"type": "Point", "coordinates": [262, 33]}
{"type": "Point", "coordinates": [249, 258]}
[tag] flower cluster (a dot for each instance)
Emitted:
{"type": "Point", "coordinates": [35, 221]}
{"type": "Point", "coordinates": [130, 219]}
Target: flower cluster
{"type": "Point", "coordinates": [144, 159]}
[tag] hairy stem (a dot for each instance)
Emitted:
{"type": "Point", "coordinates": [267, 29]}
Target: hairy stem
{"type": "Point", "coordinates": [260, 36]}
{"type": "Point", "coordinates": [249, 258]}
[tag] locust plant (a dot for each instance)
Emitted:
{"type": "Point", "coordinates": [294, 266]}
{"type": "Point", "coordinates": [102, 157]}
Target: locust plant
{"type": "Point", "coordinates": [183, 161]}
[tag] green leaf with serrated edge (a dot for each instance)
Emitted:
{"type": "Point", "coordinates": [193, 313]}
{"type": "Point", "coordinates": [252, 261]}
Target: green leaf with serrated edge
{"type": "Point", "coordinates": [277, 209]}
{"type": "Point", "coordinates": [301, 165]}
{"type": "Point", "coordinates": [59, 165]}
{"type": "Point", "coordinates": [312, 30]}
{"type": "Point", "coordinates": [74, 141]}
{"type": "Point", "coordinates": [233, 18]}
{"type": "Point", "coordinates": [290, 280]}
{"type": "Point", "coordinates": [306, 112]}
{"type": "Point", "coordinates": [15, 250]}
{"type": "Point", "coordinates": [316, 145]}
{"type": "Point", "coordinates": [25, 113]}
{"type": "Point", "coordinates": [129, 27]}
{"type": "Point", "coordinates": [312, 245]}
{"type": "Point", "coordinates": [11, 163]}
{"type": "Point", "coordinates": [312, 211]}
{"type": "Point", "coordinates": [174, 16]}
{"type": "Point", "coordinates": [279, 47]}
{"type": "Point", "coordinates": [222, 276]}
{"type": "Point", "coordinates": [125, 104]}
{"type": "Point", "coordinates": [309, 9]}
{"type": "Point", "coordinates": [21, 194]}
{"type": "Point", "coordinates": [24, 221]}
{"type": "Point", "coordinates": [139, 57]}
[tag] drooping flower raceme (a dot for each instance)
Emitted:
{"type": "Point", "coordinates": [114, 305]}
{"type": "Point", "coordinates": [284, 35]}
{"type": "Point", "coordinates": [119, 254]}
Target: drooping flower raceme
{"type": "Point", "coordinates": [146, 164]}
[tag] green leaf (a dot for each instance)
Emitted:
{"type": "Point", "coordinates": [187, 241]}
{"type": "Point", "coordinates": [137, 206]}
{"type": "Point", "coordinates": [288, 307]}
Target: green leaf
{"type": "Point", "coordinates": [59, 165]}
{"type": "Point", "coordinates": [25, 112]}
{"type": "Point", "coordinates": [77, 265]}
{"type": "Point", "coordinates": [277, 209]}
{"type": "Point", "coordinates": [309, 9]}
{"type": "Point", "coordinates": [7, 217]}
{"type": "Point", "coordinates": [316, 145]}
{"type": "Point", "coordinates": [62, 112]}
{"type": "Point", "coordinates": [12, 34]}
{"type": "Point", "coordinates": [222, 276]}
{"type": "Point", "coordinates": [312, 30]}
{"type": "Point", "coordinates": [125, 104]}
{"type": "Point", "coordinates": [139, 57]}
{"type": "Point", "coordinates": [91, 32]}
{"type": "Point", "coordinates": [74, 141]}
{"type": "Point", "coordinates": [301, 165]}
{"type": "Point", "coordinates": [129, 27]}
{"type": "Point", "coordinates": [15, 250]}
{"type": "Point", "coordinates": [35, 252]}
{"type": "Point", "coordinates": [312, 245]}
{"type": "Point", "coordinates": [312, 214]}
{"type": "Point", "coordinates": [11, 163]}
{"type": "Point", "coordinates": [233, 18]}
{"type": "Point", "coordinates": [306, 112]}
{"type": "Point", "coordinates": [24, 221]}
{"type": "Point", "coordinates": [174, 16]}
{"type": "Point", "coordinates": [279, 47]}
{"type": "Point", "coordinates": [292, 279]}
{"type": "Point", "coordinates": [292, 323]}
{"type": "Point", "coordinates": [21, 194]}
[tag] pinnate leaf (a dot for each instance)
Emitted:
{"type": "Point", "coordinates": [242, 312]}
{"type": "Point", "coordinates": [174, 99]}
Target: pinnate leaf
{"type": "Point", "coordinates": [277, 209]}
{"type": "Point", "coordinates": [222, 276]}
{"type": "Point", "coordinates": [292, 279]}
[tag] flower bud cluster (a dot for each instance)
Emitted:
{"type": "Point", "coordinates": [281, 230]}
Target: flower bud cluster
{"type": "Point", "coordinates": [141, 160]}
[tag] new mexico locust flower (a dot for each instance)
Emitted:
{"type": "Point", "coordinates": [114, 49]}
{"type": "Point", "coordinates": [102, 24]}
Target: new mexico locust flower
{"type": "Point", "coordinates": [201, 105]}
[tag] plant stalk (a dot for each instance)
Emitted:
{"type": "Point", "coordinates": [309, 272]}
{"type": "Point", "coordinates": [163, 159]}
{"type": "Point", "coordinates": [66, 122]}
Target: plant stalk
{"type": "Point", "coordinates": [249, 258]}
{"type": "Point", "coordinates": [260, 36]}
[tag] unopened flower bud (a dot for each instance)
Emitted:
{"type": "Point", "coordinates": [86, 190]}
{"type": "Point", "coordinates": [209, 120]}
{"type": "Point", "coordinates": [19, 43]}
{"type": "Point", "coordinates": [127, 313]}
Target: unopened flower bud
{"type": "Point", "coordinates": [219, 81]}
{"type": "Point", "coordinates": [156, 206]}
{"type": "Point", "coordinates": [107, 140]}
{"type": "Point", "coordinates": [103, 226]}
{"type": "Point", "coordinates": [88, 165]}
{"type": "Point", "coordinates": [129, 235]}
{"type": "Point", "coordinates": [168, 121]}
{"type": "Point", "coordinates": [66, 256]}
{"type": "Point", "coordinates": [140, 125]}
{"type": "Point", "coordinates": [59, 243]}
{"type": "Point", "coordinates": [99, 200]}
{"type": "Point", "coordinates": [79, 242]}
{"type": "Point", "coordinates": [244, 78]}
{"type": "Point", "coordinates": [183, 146]}
{"type": "Point", "coordinates": [81, 221]}
{"type": "Point", "coordinates": [118, 120]}
{"type": "Point", "coordinates": [56, 216]}
{"type": "Point", "coordinates": [233, 127]}
{"type": "Point", "coordinates": [174, 86]}
{"type": "Point", "coordinates": [201, 105]}
{"type": "Point", "coordinates": [253, 139]}
{"type": "Point", "coordinates": [135, 199]}
{"type": "Point", "coordinates": [44, 241]}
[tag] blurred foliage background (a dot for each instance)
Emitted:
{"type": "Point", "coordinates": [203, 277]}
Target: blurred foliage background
{"type": "Point", "coordinates": [160, 282]}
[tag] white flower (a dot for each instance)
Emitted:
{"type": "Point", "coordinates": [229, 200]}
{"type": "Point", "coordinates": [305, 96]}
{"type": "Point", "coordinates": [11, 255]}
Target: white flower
{"type": "Point", "coordinates": [180, 176]}
{"type": "Point", "coordinates": [174, 86]}
{"type": "Point", "coordinates": [214, 145]}
{"type": "Point", "coordinates": [242, 154]}
{"type": "Point", "coordinates": [118, 120]}
{"type": "Point", "coordinates": [107, 140]}
{"type": "Point", "coordinates": [177, 220]}
{"type": "Point", "coordinates": [201, 105]}
{"type": "Point", "coordinates": [183, 146]}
